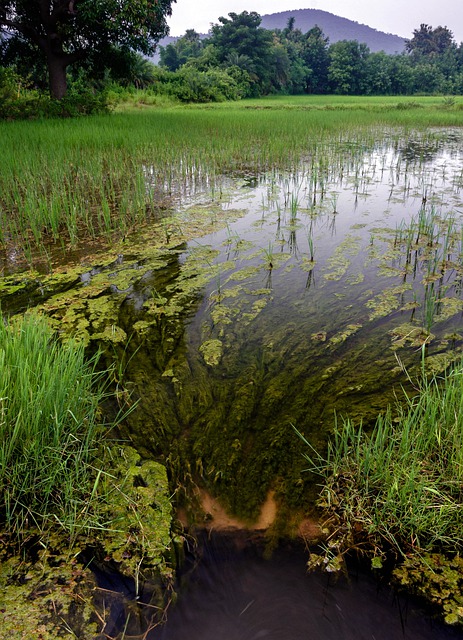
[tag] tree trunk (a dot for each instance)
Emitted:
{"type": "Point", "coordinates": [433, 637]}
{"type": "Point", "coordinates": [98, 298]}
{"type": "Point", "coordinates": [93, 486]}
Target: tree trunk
{"type": "Point", "coordinates": [57, 75]}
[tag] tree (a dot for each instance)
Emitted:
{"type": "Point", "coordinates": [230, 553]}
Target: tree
{"type": "Point", "coordinates": [175, 55]}
{"type": "Point", "coordinates": [66, 32]}
{"type": "Point", "coordinates": [347, 69]}
{"type": "Point", "coordinates": [241, 33]}
{"type": "Point", "coordinates": [316, 58]}
{"type": "Point", "coordinates": [427, 41]}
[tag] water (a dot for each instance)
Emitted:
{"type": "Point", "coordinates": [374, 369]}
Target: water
{"type": "Point", "coordinates": [320, 284]}
{"type": "Point", "coordinates": [317, 286]}
{"type": "Point", "coordinates": [236, 594]}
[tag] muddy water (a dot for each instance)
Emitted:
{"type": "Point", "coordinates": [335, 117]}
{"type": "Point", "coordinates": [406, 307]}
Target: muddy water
{"type": "Point", "coordinates": [236, 594]}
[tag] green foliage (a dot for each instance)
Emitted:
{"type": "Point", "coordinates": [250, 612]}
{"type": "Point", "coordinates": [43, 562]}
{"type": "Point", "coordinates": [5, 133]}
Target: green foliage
{"type": "Point", "coordinates": [64, 32]}
{"type": "Point", "coordinates": [191, 85]}
{"type": "Point", "coordinates": [347, 70]}
{"type": "Point", "coordinates": [175, 55]}
{"type": "Point", "coordinates": [430, 42]}
{"type": "Point", "coordinates": [26, 105]}
{"type": "Point", "coordinates": [401, 485]}
{"type": "Point", "coordinates": [49, 426]}
{"type": "Point", "coordinates": [240, 33]}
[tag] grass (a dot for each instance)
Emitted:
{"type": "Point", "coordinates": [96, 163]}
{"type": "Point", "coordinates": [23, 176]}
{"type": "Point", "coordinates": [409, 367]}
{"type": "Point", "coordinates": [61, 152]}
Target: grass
{"type": "Point", "coordinates": [49, 429]}
{"type": "Point", "coordinates": [65, 182]}
{"type": "Point", "coordinates": [401, 484]}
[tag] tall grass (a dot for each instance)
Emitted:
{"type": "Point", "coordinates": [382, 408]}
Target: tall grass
{"type": "Point", "coordinates": [403, 483]}
{"type": "Point", "coordinates": [49, 397]}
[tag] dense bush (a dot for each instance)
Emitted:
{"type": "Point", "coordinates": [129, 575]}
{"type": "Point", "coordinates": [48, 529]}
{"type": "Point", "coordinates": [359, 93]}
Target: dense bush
{"type": "Point", "coordinates": [19, 102]}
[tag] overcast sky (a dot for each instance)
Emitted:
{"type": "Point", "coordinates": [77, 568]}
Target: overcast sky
{"type": "Point", "coordinates": [399, 17]}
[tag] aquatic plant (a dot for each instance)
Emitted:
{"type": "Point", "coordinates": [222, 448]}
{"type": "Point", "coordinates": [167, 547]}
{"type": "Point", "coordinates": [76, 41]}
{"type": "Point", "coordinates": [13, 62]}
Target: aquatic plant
{"type": "Point", "coordinates": [49, 429]}
{"type": "Point", "coordinates": [399, 486]}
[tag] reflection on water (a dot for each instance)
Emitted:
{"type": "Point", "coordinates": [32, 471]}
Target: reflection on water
{"type": "Point", "coordinates": [236, 594]}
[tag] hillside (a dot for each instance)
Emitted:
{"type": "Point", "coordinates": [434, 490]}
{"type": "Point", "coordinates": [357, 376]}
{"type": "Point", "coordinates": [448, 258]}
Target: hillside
{"type": "Point", "coordinates": [335, 28]}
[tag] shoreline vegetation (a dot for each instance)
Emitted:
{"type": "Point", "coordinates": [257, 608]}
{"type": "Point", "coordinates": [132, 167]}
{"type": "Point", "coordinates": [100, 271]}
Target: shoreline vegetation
{"type": "Point", "coordinates": [394, 493]}
{"type": "Point", "coordinates": [73, 187]}
{"type": "Point", "coordinates": [71, 497]}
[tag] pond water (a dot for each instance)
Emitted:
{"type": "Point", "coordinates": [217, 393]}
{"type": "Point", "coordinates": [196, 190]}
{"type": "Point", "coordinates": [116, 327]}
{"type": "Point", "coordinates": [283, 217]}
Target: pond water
{"type": "Point", "coordinates": [234, 593]}
{"type": "Point", "coordinates": [321, 286]}
{"type": "Point", "coordinates": [304, 293]}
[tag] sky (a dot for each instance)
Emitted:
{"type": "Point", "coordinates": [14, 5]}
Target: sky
{"type": "Point", "coordinates": [399, 17]}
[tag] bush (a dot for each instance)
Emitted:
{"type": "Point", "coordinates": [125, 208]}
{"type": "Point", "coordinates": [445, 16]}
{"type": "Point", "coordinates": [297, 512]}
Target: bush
{"type": "Point", "coordinates": [190, 85]}
{"type": "Point", "coordinates": [17, 102]}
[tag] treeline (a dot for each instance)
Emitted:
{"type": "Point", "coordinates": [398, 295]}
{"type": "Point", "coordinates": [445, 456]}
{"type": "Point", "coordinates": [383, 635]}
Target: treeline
{"type": "Point", "coordinates": [240, 59]}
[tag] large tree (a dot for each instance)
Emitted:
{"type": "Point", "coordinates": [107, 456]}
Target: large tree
{"type": "Point", "coordinates": [241, 34]}
{"type": "Point", "coordinates": [68, 31]}
{"type": "Point", "coordinates": [427, 41]}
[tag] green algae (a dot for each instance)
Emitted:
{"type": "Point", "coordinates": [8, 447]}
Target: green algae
{"type": "Point", "coordinates": [409, 334]}
{"type": "Point", "coordinates": [47, 592]}
{"type": "Point", "coordinates": [49, 596]}
{"type": "Point", "coordinates": [340, 337]}
{"type": "Point", "coordinates": [339, 262]}
{"type": "Point", "coordinates": [211, 351]}
{"type": "Point", "coordinates": [387, 301]}
{"type": "Point", "coordinates": [436, 578]}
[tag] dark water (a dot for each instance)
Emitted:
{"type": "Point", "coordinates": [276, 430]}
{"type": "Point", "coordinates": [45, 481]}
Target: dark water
{"type": "Point", "coordinates": [234, 593]}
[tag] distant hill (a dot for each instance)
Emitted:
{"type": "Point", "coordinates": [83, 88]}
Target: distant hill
{"type": "Point", "coordinates": [335, 28]}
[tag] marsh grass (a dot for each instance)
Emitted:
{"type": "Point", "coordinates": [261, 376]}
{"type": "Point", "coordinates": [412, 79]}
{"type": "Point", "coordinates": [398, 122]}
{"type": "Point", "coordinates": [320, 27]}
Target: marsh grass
{"type": "Point", "coordinates": [63, 182]}
{"type": "Point", "coordinates": [401, 484]}
{"type": "Point", "coordinates": [49, 429]}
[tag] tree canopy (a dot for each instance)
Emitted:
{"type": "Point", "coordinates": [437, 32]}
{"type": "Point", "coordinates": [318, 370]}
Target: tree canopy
{"type": "Point", "coordinates": [68, 31]}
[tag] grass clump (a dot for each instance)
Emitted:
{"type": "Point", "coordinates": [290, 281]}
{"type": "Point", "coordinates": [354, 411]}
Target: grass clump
{"type": "Point", "coordinates": [49, 397]}
{"type": "Point", "coordinates": [400, 487]}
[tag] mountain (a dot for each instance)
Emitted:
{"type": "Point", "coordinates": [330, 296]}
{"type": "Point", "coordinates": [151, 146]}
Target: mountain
{"type": "Point", "coordinates": [335, 28]}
